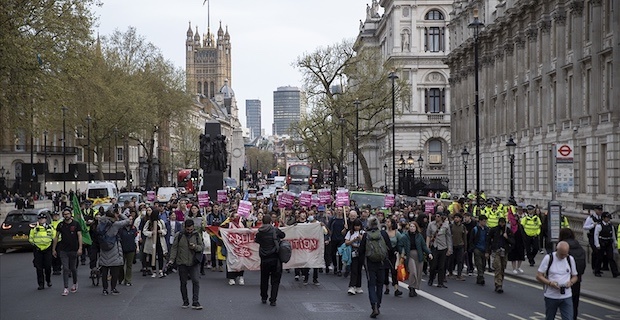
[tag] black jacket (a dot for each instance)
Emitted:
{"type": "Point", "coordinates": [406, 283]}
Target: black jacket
{"type": "Point", "coordinates": [267, 246]}
{"type": "Point", "coordinates": [377, 265]}
{"type": "Point", "coordinates": [128, 238]}
{"type": "Point", "coordinates": [496, 240]}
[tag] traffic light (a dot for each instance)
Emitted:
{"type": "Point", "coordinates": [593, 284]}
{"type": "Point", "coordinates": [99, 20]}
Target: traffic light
{"type": "Point", "coordinates": [242, 173]}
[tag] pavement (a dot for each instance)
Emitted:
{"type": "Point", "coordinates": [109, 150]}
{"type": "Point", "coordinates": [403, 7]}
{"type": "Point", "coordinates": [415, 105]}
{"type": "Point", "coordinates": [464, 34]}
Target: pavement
{"type": "Point", "coordinates": [603, 289]}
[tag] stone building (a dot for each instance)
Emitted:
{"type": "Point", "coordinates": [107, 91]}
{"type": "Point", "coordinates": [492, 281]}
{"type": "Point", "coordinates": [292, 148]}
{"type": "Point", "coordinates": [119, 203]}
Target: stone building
{"type": "Point", "coordinates": [546, 80]}
{"type": "Point", "coordinates": [412, 36]}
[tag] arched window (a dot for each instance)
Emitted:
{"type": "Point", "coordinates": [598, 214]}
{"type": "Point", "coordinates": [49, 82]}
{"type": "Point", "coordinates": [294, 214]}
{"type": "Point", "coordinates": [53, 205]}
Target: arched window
{"type": "Point", "coordinates": [434, 36]}
{"type": "Point", "coordinates": [199, 87]}
{"type": "Point", "coordinates": [211, 89]}
{"type": "Point", "coordinates": [434, 152]}
{"type": "Point", "coordinates": [434, 15]}
{"type": "Point", "coordinates": [206, 89]}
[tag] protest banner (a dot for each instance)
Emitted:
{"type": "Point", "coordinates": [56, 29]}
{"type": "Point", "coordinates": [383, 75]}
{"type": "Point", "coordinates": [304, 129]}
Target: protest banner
{"type": "Point", "coordinates": [305, 198]}
{"type": "Point", "coordinates": [150, 196]}
{"type": "Point", "coordinates": [222, 196]}
{"type": "Point", "coordinates": [325, 196]}
{"type": "Point", "coordinates": [429, 206]}
{"type": "Point", "coordinates": [389, 201]}
{"type": "Point", "coordinates": [342, 197]}
{"type": "Point", "coordinates": [203, 198]}
{"type": "Point", "coordinates": [306, 240]}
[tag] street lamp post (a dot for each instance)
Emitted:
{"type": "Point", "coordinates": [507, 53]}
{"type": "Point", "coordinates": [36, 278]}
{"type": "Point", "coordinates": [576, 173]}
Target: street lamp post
{"type": "Point", "coordinates": [357, 145]}
{"type": "Point", "coordinates": [385, 167]}
{"type": "Point", "coordinates": [476, 25]}
{"type": "Point", "coordinates": [392, 76]}
{"type": "Point", "coordinates": [88, 120]}
{"type": "Point", "coordinates": [410, 174]}
{"type": "Point", "coordinates": [341, 171]}
{"type": "Point", "coordinates": [465, 156]}
{"type": "Point", "coordinates": [64, 150]}
{"type": "Point", "coordinates": [401, 174]}
{"type": "Point", "coordinates": [511, 146]}
{"type": "Point", "coordinates": [45, 149]}
{"type": "Point", "coordinates": [420, 165]}
{"type": "Point", "coordinates": [115, 157]}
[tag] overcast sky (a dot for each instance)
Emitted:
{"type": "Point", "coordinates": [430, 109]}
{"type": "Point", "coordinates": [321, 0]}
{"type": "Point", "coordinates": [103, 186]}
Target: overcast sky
{"type": "Point", "coordinates": [266, 35]}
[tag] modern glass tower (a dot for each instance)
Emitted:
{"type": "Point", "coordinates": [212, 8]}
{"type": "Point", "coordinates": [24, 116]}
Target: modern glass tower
{"type": "Point", "coordinates": [252, 115]}
{"type": "Point", "coordinates": [289, 103]}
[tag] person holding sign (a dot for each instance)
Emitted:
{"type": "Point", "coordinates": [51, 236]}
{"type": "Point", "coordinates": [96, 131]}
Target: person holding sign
{"type": "Point", "coordinates": [234, 222]}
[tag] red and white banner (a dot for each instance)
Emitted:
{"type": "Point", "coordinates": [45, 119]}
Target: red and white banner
{"type": "Point", "coordinates": [306, 240]}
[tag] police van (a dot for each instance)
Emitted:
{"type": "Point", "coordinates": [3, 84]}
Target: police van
{"type": "Point", "coordinates": [101, 192]}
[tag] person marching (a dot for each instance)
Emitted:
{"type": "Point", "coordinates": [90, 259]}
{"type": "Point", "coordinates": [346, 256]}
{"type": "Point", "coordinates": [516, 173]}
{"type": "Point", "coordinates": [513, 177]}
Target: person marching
{"type": "Point", "coordinates": [41, 237]}
{"type": "Point", "coordinates": [499, 241]}
{"type": "Point", "coordinates": [56, 263]}
{"type": "Point", "coordinates": [68, 241]}
{"type": "Point", "coordinates": [270, 264]}
{"type": "Point", "coordinates": [531, 224]}
{"type": "Point", "coordinates": [605, 241]}
{"type": "Point", "coordinates": [185, 246]}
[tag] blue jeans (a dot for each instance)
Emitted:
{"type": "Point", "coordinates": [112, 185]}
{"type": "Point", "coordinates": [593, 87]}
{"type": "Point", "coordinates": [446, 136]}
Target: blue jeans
{"type": "Point", "coordinates": [376, 278]}
{"type": "Point", "coordinates": [565, 305]}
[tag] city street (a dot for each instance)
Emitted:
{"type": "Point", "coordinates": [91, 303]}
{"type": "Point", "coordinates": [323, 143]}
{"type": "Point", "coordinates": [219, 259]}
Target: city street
{"type": "Point", "coordinates": [156, 298]}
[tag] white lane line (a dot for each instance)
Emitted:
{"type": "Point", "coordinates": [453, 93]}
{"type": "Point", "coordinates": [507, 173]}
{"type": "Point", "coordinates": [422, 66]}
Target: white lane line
{"type": "Point", "coordinates": [516, 316]}
{"type": "Point", "coordinates": [591, 317]}
{"type": "Point", "coordinates": [460, 294]}
{"type": "Point", "coordinates": [582, 299]}
{"type": "Point", "coordinates": [486, 304]}
{"type": "Point", "coordinates": [445, 303]}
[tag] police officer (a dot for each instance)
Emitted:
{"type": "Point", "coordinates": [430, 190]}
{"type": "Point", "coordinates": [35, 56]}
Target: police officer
{"type": "Point", "coordinates": [605, 241]}
{"type": "Point", "coordinates": [41, 237]}
{"type": "Point", "coordinates": [589, 225]}
{"type": "Point", "coordinates": [532, 225]}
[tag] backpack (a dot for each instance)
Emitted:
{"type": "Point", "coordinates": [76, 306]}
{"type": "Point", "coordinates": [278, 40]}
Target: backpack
{"type": "Point", "coordinates": [106, 242]}
{"type": "Point", "coordinates": [570, 266]}
{"type": "Point", "coordinates": [282, 247]}
{"type": "Point", "coordinates": [376, 248]}
{"type": "Point", "coordinates": [579, 254]}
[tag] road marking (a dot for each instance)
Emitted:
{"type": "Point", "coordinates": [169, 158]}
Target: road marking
{"type": "Point", "coordinates": [591, 317]}
{"type": "Point", "coordinates": [445, 303]}
{"type": "Point", "coordinates": [516, 316]}
{"type": "Point", "coordinates": [486, 304]}
{"type": "Point", "coordinates": [582, 299]}
{"type": "Point", "coordinates": [460, 294]}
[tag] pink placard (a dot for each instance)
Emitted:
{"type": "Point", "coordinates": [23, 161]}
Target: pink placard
{"type": "Point", "coordinates": [325, 196]}
{"type": "Point", "coordinates": [342, 197]}
{"type": "Point", "coordinates": [287, 199]}
{"type": "Point", "coordinates": [203, 198]}
{"type": "Point", "coordinates": [305, 198]}
{"type": "Point", "coordinates": [429, 206]}
{"type": "Point", "coordinates": [389, 200]}
{"type": "Point", "coordinates": [315, 201]}
{"type": "Point", "coordinates": [244, 208]}
{"type": "Point", "coordinates": [150, 196]}
{"type": "Point", "coordinates": [222, 196]}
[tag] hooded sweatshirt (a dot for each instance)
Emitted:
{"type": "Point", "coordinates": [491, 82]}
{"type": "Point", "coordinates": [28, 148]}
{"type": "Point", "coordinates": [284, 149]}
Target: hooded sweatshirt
{"type": "Point", "coordinates": [265, 240]}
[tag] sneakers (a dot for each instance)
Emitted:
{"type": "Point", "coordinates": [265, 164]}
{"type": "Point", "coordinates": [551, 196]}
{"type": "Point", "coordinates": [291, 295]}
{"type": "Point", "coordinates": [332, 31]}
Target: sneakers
{"type": "Point", "coordinates": [296, 278]}
{"type": "Point", "coordinates": [128, 284]}
{"type": "Point", "coordinates": [515, 271]}
{"type": "Point", "coordinates": [49, 284]}
{"type": "Point", "coordinates": [316, 282]}
{"type": "Point", "coordinates": [162, 274]}
{"type": "Point", "coordinates": [41, 287]}
{"type": "Point", "coordinates": [154, 275]}
{"type": "Point", "coordinates": [397, 293]}
{"type": "Point", "coordinates": [241, 281]}
{"type": "Point", "coordinates": [185, 305]}
{"type": "Point", "coordinates": [305, 282]}
{"type": "Point", "coordinates": [351, 291]}
{"type": "Point", "coordinates": [520, 270]}
{"type": "Point", "coordinates": [105, 292]}
{"type": "Point", "coordinates": [115, 292]}
{"type": "Point", "coordinates": [74, 288]}
{"type": "Point", "coordinates": [231, 282]}
{"type": "Point", "coordinates": [272, 303]}
{"type": "Point", "coordinates": [196, 306]}
{"type": "Point", "coordinates": [65, 292]}
{"type": "Point", "coordinates": [359, 290]}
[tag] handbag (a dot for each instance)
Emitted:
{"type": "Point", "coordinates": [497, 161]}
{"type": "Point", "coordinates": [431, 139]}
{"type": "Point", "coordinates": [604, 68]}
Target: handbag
{"type": "Point", "coordinates": [401, 272]}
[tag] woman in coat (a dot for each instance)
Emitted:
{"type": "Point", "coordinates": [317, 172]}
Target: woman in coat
{"type": "Point", "coordinates": [155, 243]}
{"type": "Point", "coordinates": [414, 247]}
{"type": "Point", "coordinates": [112, 260]}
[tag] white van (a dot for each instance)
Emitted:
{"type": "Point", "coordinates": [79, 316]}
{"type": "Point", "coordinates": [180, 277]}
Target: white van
{"type": "Point", "coordinates": [164, 194]}
{"type": "Point", "coordinates": [101, 192]}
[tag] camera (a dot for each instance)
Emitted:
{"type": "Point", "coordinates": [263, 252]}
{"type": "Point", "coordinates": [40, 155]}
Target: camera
{"type": "Point", "coordinates": [562, 290]}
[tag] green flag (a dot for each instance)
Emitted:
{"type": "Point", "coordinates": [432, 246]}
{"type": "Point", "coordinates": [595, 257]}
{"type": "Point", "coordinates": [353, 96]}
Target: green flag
{"type": "Point", "coordinates": [77, 215]}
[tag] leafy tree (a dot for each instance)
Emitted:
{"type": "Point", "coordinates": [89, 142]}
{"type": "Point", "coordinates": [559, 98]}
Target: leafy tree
{"type": "Point", "coordinates": [259, 160]}
{"type": "Point", "coordinates": [334, 78]}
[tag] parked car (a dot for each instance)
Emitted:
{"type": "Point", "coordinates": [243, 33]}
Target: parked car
{"type": "Point", "coordinates": [16, 227]}
{"type": "Point", "coordinates": [128, 195]}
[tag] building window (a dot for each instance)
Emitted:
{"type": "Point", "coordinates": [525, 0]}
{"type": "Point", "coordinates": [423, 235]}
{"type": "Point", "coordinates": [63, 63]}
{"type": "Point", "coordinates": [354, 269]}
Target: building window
{"type": "Point", "coordinates": [119, 154]}
{"type": "Point", "coordinates": [434, 15]}
{"type": "Point", "coordinates": [20, 140]}
{"type": "Point", "coordinates": [435, 100]}
{"type": "Point", "coordinates": [602, 171]}
{"type": "Point", "coordinates": [434, 39]}
{"type": "Point", "coordinates": [206, 90]}
{"type": "Point", "coordinates": [434, 152]}
{"type": "Point", "coordinates": [199, 87]}
{"type": "Point", "coordinates": [80, 155]}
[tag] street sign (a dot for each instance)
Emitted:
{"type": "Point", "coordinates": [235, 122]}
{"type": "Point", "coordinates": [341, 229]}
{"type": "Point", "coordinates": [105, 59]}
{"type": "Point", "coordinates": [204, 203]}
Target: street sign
{"type": "Point", "coordinates": [565, 176]}
{"type": "Point", "coordinates": [554, 216]}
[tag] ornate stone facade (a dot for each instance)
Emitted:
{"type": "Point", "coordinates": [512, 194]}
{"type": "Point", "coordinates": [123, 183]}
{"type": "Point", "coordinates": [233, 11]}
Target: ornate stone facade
{"type": "Point", "coordinates": [413, 36]}
{"type": "Point", "coordinates": [555, 85]}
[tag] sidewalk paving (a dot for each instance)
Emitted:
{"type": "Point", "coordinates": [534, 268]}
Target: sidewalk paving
{"type": "Point", "coordinates": [605, 289]}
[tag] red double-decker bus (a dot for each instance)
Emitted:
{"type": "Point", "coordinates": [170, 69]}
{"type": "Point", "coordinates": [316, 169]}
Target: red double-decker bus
{"type": "Point", "coordinates": [184, 180]}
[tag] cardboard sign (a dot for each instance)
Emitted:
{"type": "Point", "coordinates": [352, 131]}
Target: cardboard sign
{"type": "Point", "coordinates": [222, 196]}
{"type": "Point", "coordinates": [244, 208]}
{"type": "Point", "coordinates": [342, 197]}
{"type": "Point", "coordinates": [150, 196]}
{"type": "Point", "coordinates": [305, 198]}
{"type": "Point", "coordinates": [429, 206]}
{"type": "Point", "coordinates": [203, 198]}
{"type": "Point", "coordinates": [325, 196]}
{"type": "Point", "coordinates": [389, 200]}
